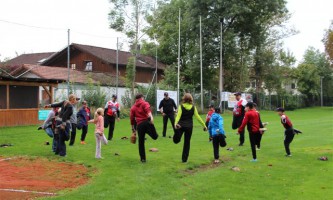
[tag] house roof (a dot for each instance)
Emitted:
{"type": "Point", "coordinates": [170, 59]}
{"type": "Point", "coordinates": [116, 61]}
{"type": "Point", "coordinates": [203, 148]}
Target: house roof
{"type": "Point", "coordinates": [109, 56]}
{"type": "Point", "coordinates": [60, 73]}
{"type": "Point", "coordinates": [30, 58]}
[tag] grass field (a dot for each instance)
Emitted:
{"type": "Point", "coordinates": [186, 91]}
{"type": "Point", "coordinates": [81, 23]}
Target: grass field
{"type": "Point", "coordinates": [165, 177]}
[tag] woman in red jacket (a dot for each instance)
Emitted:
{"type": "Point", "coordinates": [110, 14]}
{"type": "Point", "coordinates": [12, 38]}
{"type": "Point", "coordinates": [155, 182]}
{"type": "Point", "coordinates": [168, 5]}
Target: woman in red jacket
{"type": "Point", "coordinates": [142, 121]}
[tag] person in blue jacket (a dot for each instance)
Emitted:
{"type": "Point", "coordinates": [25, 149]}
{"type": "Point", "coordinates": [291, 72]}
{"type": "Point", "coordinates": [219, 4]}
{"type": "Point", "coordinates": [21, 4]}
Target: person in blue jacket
{"type": "Point", "coordinates": [216, 130]}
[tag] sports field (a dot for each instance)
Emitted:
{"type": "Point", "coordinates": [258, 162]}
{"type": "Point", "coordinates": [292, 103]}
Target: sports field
{"type": "Point", "coordinates": [122, 176]}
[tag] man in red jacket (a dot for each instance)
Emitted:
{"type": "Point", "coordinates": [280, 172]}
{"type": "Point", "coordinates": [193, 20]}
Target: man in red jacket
{"type": "Point", "coordinates": [252, 120]}
{"type": "Point", "coordinates": [142, 121]}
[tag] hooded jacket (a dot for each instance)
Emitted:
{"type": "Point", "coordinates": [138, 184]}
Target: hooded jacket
{"type": "Point", "coordinates": [139, 112]}
{"type": "Point", "coordinates": [215, 126]}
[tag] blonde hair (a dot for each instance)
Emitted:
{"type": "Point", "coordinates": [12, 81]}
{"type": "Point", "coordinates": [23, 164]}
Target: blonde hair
{"type": "Point", "coordinates": [187, 98]}
{"type": "Point", "coordinates": [98, 112]}
{"type": "Point", "coordinates": [71, 97]}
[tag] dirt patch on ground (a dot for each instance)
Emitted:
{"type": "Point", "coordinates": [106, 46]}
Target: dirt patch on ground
{"type": "Point", "coordinates": [28, 178]}
{"type": "Point", "coordinates": [204, 167]}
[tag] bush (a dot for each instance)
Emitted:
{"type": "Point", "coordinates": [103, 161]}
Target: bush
{"type": "Point", "coordinates": [94, 95]}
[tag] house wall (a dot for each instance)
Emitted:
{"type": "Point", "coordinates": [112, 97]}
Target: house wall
{"type": "Point", "coordinates": [143, 75]}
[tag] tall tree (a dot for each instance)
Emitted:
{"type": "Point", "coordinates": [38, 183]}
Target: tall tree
{"type": "Point", "coordinates": [245, 24]}
{"type": "Point", "coordinates": [328, 42]}
{"type": "Point", "coordinates": [128, 16]}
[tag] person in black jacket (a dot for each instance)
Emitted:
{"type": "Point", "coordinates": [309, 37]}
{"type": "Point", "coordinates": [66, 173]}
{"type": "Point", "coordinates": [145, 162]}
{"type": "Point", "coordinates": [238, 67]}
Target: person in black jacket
{"type": "Point", "coordinates": [83, 117]}
{"type": "Point", "coordinates": [168, 108]}
{"type": "Point", "coordinates": [63, 125]}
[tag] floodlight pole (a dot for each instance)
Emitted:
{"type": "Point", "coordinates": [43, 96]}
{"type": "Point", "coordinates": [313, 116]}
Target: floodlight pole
{"type": "Point", "coordinates": [178, 56]}
{"type": "Point", "coordinates": [68, 59]}
{"type": "Point", "coordinates": [221, 59]}
{"type": "Point", "coordinates": [201, 79]}
{"type": "Point", "coordinates": [117, 67]}
{"type": "Point", "coordinates": [321, 92]}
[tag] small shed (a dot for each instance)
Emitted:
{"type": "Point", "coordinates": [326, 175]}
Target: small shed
{"type": "Point", "coordinates": [19, 99]}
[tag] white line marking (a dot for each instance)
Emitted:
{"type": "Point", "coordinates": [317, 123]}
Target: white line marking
{"type": "Point", "coordinates": [26, 191]}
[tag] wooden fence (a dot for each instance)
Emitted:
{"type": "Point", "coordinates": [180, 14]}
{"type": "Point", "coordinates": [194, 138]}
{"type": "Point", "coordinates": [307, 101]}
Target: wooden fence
{"type": "Point", "coordinates": [19, 117]}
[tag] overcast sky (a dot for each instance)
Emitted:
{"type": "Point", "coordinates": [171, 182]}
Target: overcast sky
{"type": "Point", "coordinates": [88, 22]}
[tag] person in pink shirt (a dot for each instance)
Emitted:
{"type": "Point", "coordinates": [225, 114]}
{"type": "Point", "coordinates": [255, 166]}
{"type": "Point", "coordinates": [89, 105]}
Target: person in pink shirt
{"type": "Point", "coordinates": [99, 131]}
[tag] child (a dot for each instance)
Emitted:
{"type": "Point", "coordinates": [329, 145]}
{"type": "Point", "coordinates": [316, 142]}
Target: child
{"type": "Point", "coordinates": [252, 121]}
{"type": "Point", "coordinates": [289, 132]}
{"type": "Point", "coordinates": [216, 130]}
{"type": "Point", "coordinates": [99, 131]}
{"type": "Point", "coordinates": [184, 124]}
{"type": "Point", "coordinates": [83, 117]}
{"type": "Point", "coordinates": [261, 128]}
{"type": "Point", "coordinates": [208, 116]}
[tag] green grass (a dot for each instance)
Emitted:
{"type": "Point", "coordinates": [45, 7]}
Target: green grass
{"type": "Point", "coordinates": [165, 177]}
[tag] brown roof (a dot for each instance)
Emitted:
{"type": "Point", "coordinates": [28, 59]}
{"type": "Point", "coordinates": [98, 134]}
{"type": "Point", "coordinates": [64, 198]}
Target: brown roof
{"type": "Point", "coordinates": [60, 73]}
{"type": "Point", "coordinates": [110, 56]}
{"type": "Point", "coordinates": [31, 58]}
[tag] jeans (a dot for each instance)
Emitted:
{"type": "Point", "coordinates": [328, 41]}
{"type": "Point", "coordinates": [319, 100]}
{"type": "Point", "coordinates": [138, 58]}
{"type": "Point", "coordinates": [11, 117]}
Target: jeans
{"type": "Point", "coordinates": [73, 134]}
{"type": "Point", "coordinates": [63, 135]}
{"type": "Point", "coordinates": [50, 132]}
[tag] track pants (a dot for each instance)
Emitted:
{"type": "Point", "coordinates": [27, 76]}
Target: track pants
{"type": "Point", "coordinates": [218, 140]}
{"type": "Point", "coordinates": [165, 122]}
{"type": "Point", "coordinates": [236, 123]}
{"type": "Point", "coordinates": [187, 131]}
{"type": "Point", "coordinates": [254, 140]}
{"type": "Point", "coordinates": [288, 138]}
{"type": "Point", "coordinates": [143, 128]}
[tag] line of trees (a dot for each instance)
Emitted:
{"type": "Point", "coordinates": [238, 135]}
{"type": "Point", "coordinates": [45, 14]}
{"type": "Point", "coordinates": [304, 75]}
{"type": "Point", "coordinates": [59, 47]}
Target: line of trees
{"type": "Point", "coordinates": [252, 44]}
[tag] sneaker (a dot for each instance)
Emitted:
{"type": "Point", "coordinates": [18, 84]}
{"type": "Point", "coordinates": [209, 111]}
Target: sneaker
{"type": "Point", "coordinates": [258, 148]}
{"type": "Point", "coordinates": [143, 161]}
{"type": "Point", "coordinates": [241, 144]}
{"type": "Point", "coordinates": [288, 155]}
{"type": "Point", "coordinates": [39, 128]}
{"type": "Point", "coordinates": [83, 142]}
{"type": "Point", "coordinates": [216, 161]}
{"type": "Point", "coordinates": [253, 160]}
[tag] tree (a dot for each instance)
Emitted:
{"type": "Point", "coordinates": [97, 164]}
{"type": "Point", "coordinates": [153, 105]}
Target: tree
{"type": "Point", "coordinates": [247, 27]}
{"type": "Point", "coordinates": [328, 42]}
{"type": "Point", "coordinates": [314, 66]}
{"type": "Point", "coordinates": [128, 16]}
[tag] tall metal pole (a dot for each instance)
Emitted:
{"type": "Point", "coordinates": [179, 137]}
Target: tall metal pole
{"type": "Point", "coordinates": [68, 60]}
{"type": "Point", "coordinates": [117, 67]}
{"type": "Point", "coordinates": [201, 80]}
{"type": "Point", "coordinates": [221, 59]}
{"type": "Point", "coordinates": [178, 56]}
{"type": "Point", "coordinates": [321, 92]}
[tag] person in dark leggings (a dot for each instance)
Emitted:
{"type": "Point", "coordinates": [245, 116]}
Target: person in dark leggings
{"type": "Point", "coordinates": [184, 124]}
{"type": "Point", "coordinates": [216, 130]}
{"type": "Point", "coordinates": [111, 113]}
{"type": "Point", "coordinates": [73, 121]}
{"type": "Point", "coordinates": [289, 132]}
{"type": "Point", "coordinates": [168, 108]}
{"type": "Point", "coordinates": [83, 117]}
{"type": "Point", "coordinates": [142, 122]}
{"type": "Point", "coordinates": [252, 121]}
{"type": "Point", "coordinates": [238, 116]}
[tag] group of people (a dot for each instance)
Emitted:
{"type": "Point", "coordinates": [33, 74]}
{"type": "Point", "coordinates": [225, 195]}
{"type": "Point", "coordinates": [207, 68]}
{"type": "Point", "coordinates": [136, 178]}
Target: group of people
{"type": "Point", "coordinates": [60, 124]}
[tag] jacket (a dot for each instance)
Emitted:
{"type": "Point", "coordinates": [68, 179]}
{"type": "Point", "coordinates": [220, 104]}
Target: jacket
{"type": "Point", "coordinates": [139, 112]}
{"type": "Point", "coordinates": [215, 126]}
{"type": "Point", "coordinates": [251, 119]}
{"type": "Point", "coordinates": [188, 107]}
{"type": "Point", "coordinates": [83, 116]}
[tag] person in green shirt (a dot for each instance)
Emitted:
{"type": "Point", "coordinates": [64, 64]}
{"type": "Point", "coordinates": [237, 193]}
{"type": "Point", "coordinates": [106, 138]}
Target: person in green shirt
{"type": "Point", "coordinates": [184, 124]}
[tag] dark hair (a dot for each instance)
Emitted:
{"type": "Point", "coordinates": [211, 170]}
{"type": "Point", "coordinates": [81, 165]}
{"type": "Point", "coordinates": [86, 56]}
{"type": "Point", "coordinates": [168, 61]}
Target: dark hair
{"type": "Point", "coordinates": [211, 106]}
{"type": "Point", "coordinates": [138, 96]}
{"type": "Point", "coordinates": [280, 109]}
{"type": "Point", "coordinates": [114, 96]}
{"type": "Point", "coordinates": [217, 110]}
{"type": "Point", "coordinates": [187, 98]}
{"type": "Point", "coordinates": [250, 105]}
{"type": "Point", "coordinates": [255, 105]}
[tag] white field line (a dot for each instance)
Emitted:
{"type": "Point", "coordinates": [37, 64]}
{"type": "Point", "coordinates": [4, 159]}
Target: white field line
{"type": "Point", "coordinates": [6, 159]}
{"type": "Point", "coordinates": [26, 191]}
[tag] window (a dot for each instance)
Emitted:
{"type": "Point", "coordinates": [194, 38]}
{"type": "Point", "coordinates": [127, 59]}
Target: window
{"type": "Point", "coordinates": [89, 66]}
{"type": "Point", "coordinates": [73, 66]}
